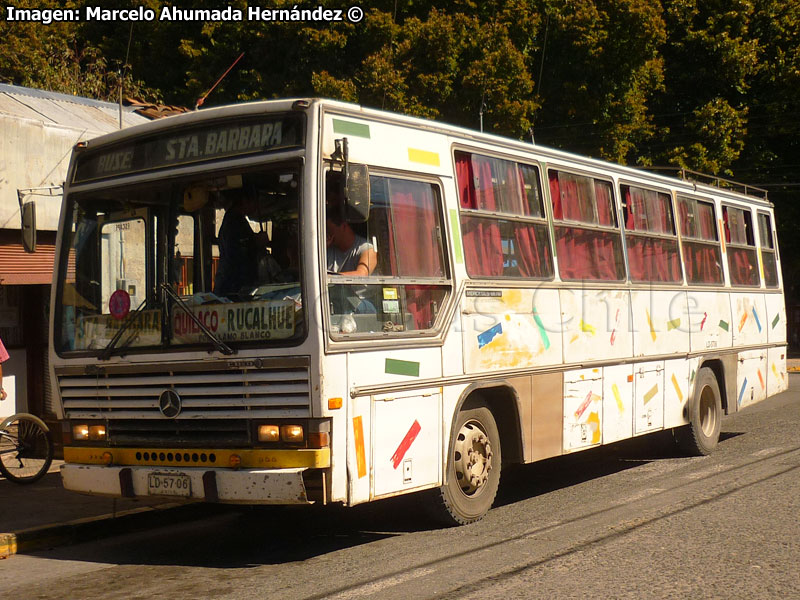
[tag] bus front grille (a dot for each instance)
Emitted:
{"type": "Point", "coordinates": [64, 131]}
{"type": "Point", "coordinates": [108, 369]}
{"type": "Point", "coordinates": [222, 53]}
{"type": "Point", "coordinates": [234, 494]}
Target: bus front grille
{"type": "Point", "coordinates": [260, 388]}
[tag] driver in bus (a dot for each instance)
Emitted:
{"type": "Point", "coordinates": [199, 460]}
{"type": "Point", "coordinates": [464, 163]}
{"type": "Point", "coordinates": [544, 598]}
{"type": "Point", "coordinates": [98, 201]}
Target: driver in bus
{"type": "Point", "coordinates": [347, 252]}
{"type": "Point", "coordinates": [239, 246]}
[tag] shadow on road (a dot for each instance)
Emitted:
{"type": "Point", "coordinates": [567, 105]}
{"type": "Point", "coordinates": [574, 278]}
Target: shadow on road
{"type": "Point", "coordinates": [242, 537]}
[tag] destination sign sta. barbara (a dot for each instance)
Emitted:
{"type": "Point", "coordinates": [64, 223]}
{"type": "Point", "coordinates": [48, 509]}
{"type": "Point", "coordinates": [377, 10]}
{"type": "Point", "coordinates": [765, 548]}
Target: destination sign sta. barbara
{"type": "Point", "coordinates": [210, 141]}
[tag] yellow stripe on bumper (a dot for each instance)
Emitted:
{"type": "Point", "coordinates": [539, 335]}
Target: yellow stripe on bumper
{"type": "Point", "coordinates": [167, 457]}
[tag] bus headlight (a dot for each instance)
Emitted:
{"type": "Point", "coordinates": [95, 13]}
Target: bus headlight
{"type": "Point", "coordinates": [268, 433]}
{"type": "Point", "coordinates": [80, 433]}
{"type": "Point", "coordinates": [97, 433]}
{"type": "Point", "coordinates": [292, 433]}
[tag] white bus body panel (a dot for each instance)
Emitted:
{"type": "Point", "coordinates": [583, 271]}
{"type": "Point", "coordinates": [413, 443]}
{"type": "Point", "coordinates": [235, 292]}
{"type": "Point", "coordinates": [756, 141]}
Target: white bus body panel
{"type": "Point", "coordinates": [660, 322]}
{"type": "Point", "coordinates": [617, 403]}
{"type": "Point", "coordinates": [596, 323]}
{"type": "Point", "coordinates": [751, 378]}
{"type": "Point", "coordinates": [583, 409]}
{"type": "Point", "coordinates": [711, 325]}
{"type": "Point", "coordinates": [393, 436]}
{"type": "Point", "coordinates": [776, 318]}
{"type": "Point", "coordinates": [777, 377]}
{"type": "Point", "coordinates": [749, 319]}
{"type": "Point", "coordinates": [517, 329]}
{"type": "Point", "coordinates": [648, 395]}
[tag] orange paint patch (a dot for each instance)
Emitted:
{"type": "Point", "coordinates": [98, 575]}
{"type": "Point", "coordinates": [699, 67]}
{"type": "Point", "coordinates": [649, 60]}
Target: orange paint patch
{"type": "Point", "coordinates": [358, 437]}
{"type": "Point", "coordinates": [743, 321]}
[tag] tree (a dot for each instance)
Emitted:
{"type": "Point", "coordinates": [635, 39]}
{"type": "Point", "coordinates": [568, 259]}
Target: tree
{"type": "Point", "coordinates": [57, 57]}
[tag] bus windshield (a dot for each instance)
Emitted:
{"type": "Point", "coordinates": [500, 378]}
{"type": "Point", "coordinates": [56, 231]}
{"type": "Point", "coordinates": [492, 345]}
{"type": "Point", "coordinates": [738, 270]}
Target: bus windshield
{"type": "Point", "coordinates": [210, 261]}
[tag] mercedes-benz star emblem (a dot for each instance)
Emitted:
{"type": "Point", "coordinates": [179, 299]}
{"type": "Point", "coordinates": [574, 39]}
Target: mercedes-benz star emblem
{"type": "Point", "coordinates": [169, 403]}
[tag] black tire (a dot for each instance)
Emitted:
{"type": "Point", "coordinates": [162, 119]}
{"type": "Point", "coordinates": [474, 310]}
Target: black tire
{"type": "Point", "coordinates": [473, 468]}
{"type": "Point", "coordinates": [26, 450]}
{"type": "Point", "coordinates": [701, 435]}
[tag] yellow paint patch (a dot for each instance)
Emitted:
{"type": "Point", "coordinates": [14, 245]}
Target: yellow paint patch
{"type": "Point", "coordinates": [650, 394]}
{"type": "Point", "coordinates": [504, 352]}
{"type": "Point", "coordinates": [618, 398]}
{"type": "Point", "coordinates": [172, 457]}
{"type": "Point", "coordinates": [677, 387]}
{"type": "Point", "coordinates": [650, 324]}
{"type": "Point", "coordinates": [574, 339]}
{"type": "Point", "coordinates": [593, 421]}
{"type": "Point", "coordinates": [775, 371]}
{"type": "Point", "coordinates": [586, 328]}
{"type": "Point", "coordinates": [358, 437]}
{"type": "Point", "coordinates": [423, 157]}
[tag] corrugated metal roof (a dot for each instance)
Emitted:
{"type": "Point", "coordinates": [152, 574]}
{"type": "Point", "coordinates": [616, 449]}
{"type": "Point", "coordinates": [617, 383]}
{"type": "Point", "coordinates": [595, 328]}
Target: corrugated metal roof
{"type": "Point", "coordinates": [73, 112]}
{"type": "Point", "coordinates": [18, 267]}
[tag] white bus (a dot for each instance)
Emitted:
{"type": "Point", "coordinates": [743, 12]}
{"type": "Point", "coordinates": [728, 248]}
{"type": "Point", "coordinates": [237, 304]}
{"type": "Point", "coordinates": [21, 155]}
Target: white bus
{"type": "Point", "coordinates": [503, 303]}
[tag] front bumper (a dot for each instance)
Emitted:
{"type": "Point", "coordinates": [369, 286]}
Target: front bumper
{"type": "Point", "coordinates": [263, 476]}
{"type": "Point", "coordinates": [243, 486]}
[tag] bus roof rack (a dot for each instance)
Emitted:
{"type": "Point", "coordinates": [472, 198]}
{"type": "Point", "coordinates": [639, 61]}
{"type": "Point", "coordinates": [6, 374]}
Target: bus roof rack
{"type": "Point", "coordinates": [713, 181]}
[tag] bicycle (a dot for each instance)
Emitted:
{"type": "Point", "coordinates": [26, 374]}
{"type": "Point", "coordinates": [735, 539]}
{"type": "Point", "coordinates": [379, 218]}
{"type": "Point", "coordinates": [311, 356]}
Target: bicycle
{"type": "Point", "coordinates": [26, 449]}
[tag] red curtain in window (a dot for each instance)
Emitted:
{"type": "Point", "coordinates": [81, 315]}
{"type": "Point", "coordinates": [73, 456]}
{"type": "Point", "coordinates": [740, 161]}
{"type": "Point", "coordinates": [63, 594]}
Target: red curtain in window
{"type": "Point", "coordinates": [582, 254]}
{"type": "Point", "coordinates": [413, 215]}
{"type": "Point", "coordinates": [482, 243]}
{"type": "Point", "coordinates": [533, 258]}
{"type": "Point", "coordinates": [742, 262]}
{"type": "Point", "coordinates": [650, 259]}
{"type": "Point", "coordinates": [701, 261]}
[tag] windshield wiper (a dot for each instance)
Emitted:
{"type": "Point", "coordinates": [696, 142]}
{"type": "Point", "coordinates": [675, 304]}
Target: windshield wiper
{"type": "Point", "coordinates": [106, 352]}
{"type": "Point", "coordinates": [220, 345]}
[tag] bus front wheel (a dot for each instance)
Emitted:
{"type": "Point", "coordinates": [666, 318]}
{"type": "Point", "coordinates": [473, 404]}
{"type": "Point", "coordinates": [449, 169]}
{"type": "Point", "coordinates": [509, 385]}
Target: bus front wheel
{"type": "Point", "coordinates": [700, 436]}
{"type": "Point", "coordinates": [473, 468]}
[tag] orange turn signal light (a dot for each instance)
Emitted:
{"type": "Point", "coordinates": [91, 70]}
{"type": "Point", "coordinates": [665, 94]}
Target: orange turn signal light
{"type": "Point", "coordinates": [334, 403]}
{"type": "Point", "coordinates": [319, 439]}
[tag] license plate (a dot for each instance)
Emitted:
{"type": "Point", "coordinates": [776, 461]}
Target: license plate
{"type": "Point", "coordinates": [169, 484]}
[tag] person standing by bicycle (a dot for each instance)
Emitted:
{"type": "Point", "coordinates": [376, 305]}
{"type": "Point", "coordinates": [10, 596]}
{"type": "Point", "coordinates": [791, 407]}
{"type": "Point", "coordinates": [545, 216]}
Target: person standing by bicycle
{"type": "Point", "coordinates": [3, 358]}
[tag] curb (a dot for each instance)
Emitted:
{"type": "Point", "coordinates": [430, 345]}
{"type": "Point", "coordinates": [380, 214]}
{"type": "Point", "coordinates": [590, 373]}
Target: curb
{"type": "Point", "coordinates": [94, 528]}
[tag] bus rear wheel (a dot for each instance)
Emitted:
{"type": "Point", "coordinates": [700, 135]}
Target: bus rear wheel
{"type": "Point", "coordinates": [701, 435]}
{"type": "Point", "coordinates": [473, 468]}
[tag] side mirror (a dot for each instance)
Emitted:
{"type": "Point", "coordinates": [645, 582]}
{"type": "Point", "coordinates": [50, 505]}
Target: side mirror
{"type": "Point", "coordinates": [354, 185]}
{"type": "Point", "coordinates": [356, 193]}
{"type": "Point", "coordinates": [28, 214]}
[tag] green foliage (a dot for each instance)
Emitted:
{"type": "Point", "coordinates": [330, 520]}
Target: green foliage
{"type": "Point", "coordinates": [57, 57]}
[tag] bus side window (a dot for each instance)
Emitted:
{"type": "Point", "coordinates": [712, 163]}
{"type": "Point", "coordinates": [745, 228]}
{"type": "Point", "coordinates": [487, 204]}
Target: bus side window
{"type": "Point", "coordinates": [700, 241]}
{"type": "Point", "coordinates": [588, 240]}
{"type": "Point", "coordinates": [650, 237]}
{"type": "Point", "coordinates": [768, 255]}
{"type": "Point", "coordinates": [741, 246]}
{"type": "Point", "coordinates": [503, 224]}
{"type": "Point", "coordinates": [405, 231]}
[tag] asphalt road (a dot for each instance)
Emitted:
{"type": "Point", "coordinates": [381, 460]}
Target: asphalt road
{"type": "Point", "coordinates": [633, 520]}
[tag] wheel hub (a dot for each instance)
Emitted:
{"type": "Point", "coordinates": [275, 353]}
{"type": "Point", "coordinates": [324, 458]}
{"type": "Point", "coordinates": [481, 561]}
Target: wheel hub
{"type": "Point", "coordinates": [473, 458]}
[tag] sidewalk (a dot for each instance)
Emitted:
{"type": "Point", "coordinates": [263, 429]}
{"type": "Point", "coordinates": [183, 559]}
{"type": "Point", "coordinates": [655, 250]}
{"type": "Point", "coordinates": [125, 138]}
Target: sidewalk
{"type": "Point", "coordinates": [43, 514]}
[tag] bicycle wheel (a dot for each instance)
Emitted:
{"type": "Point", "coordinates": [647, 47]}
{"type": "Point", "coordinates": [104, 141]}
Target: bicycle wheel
{"type": "Point", "coordinates": [26, 450]}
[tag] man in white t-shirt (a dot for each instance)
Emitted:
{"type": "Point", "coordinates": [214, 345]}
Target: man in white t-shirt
{"type": "Point", "coordinates": [348, 253]}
